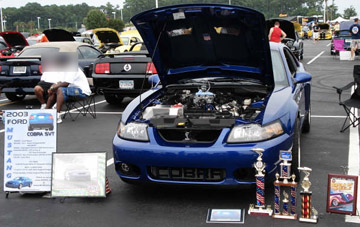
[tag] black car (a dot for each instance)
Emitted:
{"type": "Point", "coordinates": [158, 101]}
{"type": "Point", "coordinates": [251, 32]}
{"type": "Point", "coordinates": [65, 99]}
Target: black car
{"type": "Point", "coordinates": [19, 75]}
{"type": "Point", "coordinates": [292, 40]}
{"type": "Point", "coordinates": [123, 75]}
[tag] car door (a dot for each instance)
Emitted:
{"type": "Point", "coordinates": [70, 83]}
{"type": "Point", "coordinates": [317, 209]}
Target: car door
{"type": "Point", "coordinates": [298, 89]}
{"type": "Point", "coordinates": [87, 56]}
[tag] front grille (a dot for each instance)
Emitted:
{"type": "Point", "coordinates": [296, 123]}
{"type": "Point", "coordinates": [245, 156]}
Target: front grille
{"type": "Point", "coordinates": [189, 135]}
{"type": "Point", "coordinates": [187, 174]}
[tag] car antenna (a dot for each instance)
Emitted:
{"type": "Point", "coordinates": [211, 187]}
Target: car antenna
{"type": "Point", "coordinates": [149, 65]}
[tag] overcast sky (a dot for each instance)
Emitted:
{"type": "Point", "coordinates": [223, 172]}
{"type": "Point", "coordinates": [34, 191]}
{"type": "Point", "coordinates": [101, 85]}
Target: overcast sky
{"type": "Point", "coordinates": [342, 4]}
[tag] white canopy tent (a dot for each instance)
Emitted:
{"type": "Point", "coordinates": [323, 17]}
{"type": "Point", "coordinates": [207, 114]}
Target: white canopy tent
{"type": "Point", "coordinates": [339, 19]}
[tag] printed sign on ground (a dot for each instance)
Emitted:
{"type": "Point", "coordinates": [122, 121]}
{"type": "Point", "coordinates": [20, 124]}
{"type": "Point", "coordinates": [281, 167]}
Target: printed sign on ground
{"type": "Point", "coordinates": [78, 175]}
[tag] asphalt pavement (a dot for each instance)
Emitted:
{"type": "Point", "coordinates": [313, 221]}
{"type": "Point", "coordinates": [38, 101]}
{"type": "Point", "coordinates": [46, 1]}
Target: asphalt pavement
{"type": "Point", "coordinates": [324, 149]}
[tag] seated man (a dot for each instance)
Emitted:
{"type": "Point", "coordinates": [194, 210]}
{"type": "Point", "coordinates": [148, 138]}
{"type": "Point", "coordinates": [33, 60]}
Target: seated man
{"type": "Point", "coordinates": [41, 89]}
{"type": "Point", "coordinates": [75, 84]}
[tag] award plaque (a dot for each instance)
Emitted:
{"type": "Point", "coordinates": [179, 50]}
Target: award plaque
{"type": "Point", "coordinates": [308, 213]}
{"type": "Point", "coordinates": [288, 204]}
{"type": "Point", "coordinates": [260, 208]}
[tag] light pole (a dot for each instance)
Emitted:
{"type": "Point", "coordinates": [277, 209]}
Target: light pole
{"type": "Point", "coordinates": [229, 2]}
{"type": "Point", "coordinates": [1, 19]}
{"type": "Point", "coordinates": [49, 23]}
{"type": "Point", "coordinates": [114, 13]}
{"type": "Point", "coordinates": [4, 21]}
{"type": "Point", "coordinates": [325, 6]}
{"type": "Point", "coordinates": [122, 18]}
{"type": "Point", "coordinates": [38, 18]}
{"type": "Point", "coordinates": [157, 3]}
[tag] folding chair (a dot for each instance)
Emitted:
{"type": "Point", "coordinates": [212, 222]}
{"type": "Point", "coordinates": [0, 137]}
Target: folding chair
{"type": "Point", "coordinates": [353, 103]}
{"type": "Point", "coordinates": [76, 106]}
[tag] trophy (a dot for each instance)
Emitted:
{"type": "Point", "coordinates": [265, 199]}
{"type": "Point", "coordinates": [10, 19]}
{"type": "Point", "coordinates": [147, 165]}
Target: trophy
{"type": "Point", "coordinates": [285, 167]}
{"type": "Point", "coordinates": [308, 213]}
{"type": "Point", "coordinates": [260, 207]}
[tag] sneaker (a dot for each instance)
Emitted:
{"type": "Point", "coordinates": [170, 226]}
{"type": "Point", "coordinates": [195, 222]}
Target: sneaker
{"type": "Point", "coordinates": [59, 119]}
{"type": "Point", "coordinates": [43, 106]}
{"type": "Point", "coordinates": [54, 106]}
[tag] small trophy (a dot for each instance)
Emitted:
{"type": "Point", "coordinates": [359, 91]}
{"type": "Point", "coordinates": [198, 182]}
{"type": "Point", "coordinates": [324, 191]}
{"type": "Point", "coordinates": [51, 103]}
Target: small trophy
{"type": "Point", "coordinates": [308, 213]}
{"type": "Point", "coordinates": [260, 207]}
{"type": "Point", "coordinates": [285, 167]}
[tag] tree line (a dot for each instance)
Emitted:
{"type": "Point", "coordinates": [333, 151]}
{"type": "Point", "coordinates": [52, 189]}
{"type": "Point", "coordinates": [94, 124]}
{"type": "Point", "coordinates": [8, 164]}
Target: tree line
{"type": "Point", "coordinates": [71, 17]}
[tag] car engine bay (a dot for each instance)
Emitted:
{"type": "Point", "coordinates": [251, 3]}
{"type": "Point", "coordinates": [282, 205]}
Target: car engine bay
{"type": "Point", "coordinates": [206, 106]}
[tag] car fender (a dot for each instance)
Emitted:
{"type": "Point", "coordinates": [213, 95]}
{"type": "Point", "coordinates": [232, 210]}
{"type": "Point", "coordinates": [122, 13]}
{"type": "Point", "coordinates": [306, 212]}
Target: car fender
{"type": "Point", "coordinates": [281, 105]}
{"type": "Point", "coordinates": [134, 108]}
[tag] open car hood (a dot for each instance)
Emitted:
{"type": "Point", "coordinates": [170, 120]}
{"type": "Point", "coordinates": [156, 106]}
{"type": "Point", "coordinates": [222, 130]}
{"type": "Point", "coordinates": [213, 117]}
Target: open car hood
{"type": "Point", "coordinates": [213, 39]}
{"type": "Point", "coordinates": [13, 38]}
{"type": "Point", "coordinates": [107, 35]}
{"type": "Point", "coordinates": [324, 26]}
{"type": "Point", "coordinates": [58, 35]}
{"type": "Point", "coordinates": [285, 25]}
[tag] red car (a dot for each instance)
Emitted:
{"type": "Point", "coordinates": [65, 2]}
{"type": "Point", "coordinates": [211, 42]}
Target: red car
{"type": "Point", "coordinates": [339, 199]}
{"type": "Point", "coordinates": [15, 42]}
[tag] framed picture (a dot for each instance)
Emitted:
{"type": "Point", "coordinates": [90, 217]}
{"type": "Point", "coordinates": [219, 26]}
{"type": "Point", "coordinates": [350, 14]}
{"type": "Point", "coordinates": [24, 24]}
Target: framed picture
{"type": "Point", "coordinates": [78, 174]}
{"type": "Point", "coordinates": [342, 194]}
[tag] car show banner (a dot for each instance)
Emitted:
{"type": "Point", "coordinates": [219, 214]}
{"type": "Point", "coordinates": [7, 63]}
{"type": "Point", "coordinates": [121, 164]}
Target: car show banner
{"type": "Point", "coordinates": [30, 139]}
{"type": "Point", "coordinates": [78, 174]}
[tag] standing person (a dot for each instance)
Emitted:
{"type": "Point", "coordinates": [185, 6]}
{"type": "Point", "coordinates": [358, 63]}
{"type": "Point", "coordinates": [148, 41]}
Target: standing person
{"type": "Point", "coordinates": [355, 35]}
{"type": "Point", "coordinates": [316, 30]}
{"type": "Point", "coordinates": [276, 35]}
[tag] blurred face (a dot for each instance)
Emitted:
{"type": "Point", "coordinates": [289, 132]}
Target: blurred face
{"type": "Point", "coordinates": [59, 62]}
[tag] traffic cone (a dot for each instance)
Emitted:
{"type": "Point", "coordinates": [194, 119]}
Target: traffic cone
{"type": "Point", "coordinates": [107, 187]}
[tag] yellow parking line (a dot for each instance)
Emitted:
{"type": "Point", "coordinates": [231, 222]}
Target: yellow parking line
{"type": "Point", "coordinates": [8, 103]}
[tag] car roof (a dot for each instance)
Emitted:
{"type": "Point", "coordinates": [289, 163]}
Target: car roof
{"type": "Point", "coordinates": [63, 46]}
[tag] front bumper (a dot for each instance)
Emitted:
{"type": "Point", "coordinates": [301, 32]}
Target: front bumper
{"type": "Point", "coordinates": [230, 157]}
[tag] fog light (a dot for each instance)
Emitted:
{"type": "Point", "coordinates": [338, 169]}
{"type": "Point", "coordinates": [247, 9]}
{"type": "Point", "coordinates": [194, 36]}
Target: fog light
{"type": "Point", "coordinates": [125, 167]}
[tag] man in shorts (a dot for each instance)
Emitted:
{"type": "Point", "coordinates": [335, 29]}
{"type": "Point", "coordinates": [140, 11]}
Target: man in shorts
{"type": "Point", "coordinates": [75, 85]}
{"type": "Point", "coordinates": [355, 36]}
{"type": "Point", "coordinates": [316, 31]}
{"type": "Point", "coordinates": [42, 88]}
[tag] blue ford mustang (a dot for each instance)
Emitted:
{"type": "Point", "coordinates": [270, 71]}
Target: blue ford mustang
{"type": "Point", "coordinates": [19, 182]}
{"type": "Point", "coordinates": [41, 121]}
{"type": "Point", "coordinates": [223, 91]}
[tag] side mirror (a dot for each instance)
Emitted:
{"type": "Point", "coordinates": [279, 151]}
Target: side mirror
{"type": "Point", "coordinates": [153, 80]}
{"type": "Point", "coordinates": [302, 77]}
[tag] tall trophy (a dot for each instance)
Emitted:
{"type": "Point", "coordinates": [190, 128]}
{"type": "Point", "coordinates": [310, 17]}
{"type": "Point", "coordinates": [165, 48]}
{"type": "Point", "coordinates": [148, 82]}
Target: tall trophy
{"type": "Point", "coordinates": [260, 208]}
{"type": "Point", "coordinates": [308, 213]}
{"type": "Point", "coordinates": [288, 210]}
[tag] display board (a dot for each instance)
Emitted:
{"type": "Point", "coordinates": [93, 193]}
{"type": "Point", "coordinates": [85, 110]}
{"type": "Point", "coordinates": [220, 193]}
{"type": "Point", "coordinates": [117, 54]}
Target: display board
{"type": "Point", "coordinates": [235, 216]}
{"type": "Point", "coordinates": [342, 194]}
{"type": "Point", "coordinates": [78, 175]}
{"type": "Point", "coordinates": [30, 139]}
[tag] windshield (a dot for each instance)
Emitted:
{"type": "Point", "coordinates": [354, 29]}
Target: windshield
{"type": "Point", "coordinates": [279, 72]}
{"type": "Point", "coordinates": [37, 52]}
{"type": "Point", "coordinates": [125, 40]}
{"type": "Point", "coordinates": [305, 29]}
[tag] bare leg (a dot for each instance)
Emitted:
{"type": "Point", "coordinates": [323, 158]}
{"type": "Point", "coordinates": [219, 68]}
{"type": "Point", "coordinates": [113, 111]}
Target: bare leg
{"type": "Point", "coordinates": [59, 100]}
{"type": "Point", "coordinates": [51, 101]}
{"type": "Point", "coordinates": [39, 92]}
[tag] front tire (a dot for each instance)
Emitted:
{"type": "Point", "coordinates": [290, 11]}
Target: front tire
{"type": "Point", "coordinates": [14, 96]}
{"type": "Point", "coordinates": [20, 186]}
{"type": "Point", "coordinates": [296, 150]}
{"type": "Point", "coordinates": [307, 122]}
{"type": "Point", "coordinates": [113, 98]}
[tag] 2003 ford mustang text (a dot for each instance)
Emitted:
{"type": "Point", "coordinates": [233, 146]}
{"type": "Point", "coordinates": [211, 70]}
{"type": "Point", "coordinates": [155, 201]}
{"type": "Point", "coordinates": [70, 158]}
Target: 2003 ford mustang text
{"type": "Point", "coordinates": [223, 91]}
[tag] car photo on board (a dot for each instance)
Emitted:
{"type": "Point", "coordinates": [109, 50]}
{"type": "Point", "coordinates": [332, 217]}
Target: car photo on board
{"type": "Point", "coordinates": [213, 105]}
{"type": "Point", "coordinates": [19, 182]}
{"type": "Point", "coordinates": [41, 121]}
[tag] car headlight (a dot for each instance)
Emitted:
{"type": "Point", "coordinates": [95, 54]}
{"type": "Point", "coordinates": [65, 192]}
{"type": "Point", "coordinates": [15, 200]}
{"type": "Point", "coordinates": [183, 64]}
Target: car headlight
{"type": "Point", "coordinates": [254, 132]}
{"type": "Point", "coordinates": [133, 131]}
